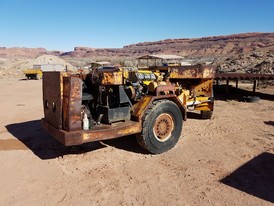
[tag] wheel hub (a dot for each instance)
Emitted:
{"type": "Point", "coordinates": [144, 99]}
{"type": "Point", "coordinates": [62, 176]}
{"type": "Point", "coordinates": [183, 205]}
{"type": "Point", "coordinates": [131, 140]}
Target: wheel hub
{"type": "Point", "coordinates": [163, 127]}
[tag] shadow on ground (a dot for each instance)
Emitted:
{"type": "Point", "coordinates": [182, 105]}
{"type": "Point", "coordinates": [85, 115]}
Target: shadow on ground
{"type": "Point", "coordinates": [127, 143]}
{"type": "Point", "coordinates": [256, 177]}
{"type": "Point", "coordinates": [237, 94]}
{"type": "Point", "coordinates": [23, 79]}
{"type": "Point", "coordinates": [42, 144]}
{"type": "Point", "coordinates": [194, 115]}
{"type": "Point", "coordinates": [45, 146]}
{"type": "Point", "coordinates": [271, 123]}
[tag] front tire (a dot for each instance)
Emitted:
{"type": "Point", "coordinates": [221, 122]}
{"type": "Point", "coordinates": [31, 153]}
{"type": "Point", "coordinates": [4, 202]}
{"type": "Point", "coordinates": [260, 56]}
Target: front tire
{"type": "Point", "coordinates": [162, 127]}
{"type": "Point", "coordinates": [37, 76]}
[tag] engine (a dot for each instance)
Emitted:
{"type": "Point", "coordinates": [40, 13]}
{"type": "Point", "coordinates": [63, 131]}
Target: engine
{"type": "Point", "coordinates": [109, 93]}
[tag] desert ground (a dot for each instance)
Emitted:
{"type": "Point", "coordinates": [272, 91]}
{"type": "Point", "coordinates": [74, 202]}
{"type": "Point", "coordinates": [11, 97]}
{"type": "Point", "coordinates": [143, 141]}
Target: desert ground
{"type": "Point", "coordinates": [228, 160]}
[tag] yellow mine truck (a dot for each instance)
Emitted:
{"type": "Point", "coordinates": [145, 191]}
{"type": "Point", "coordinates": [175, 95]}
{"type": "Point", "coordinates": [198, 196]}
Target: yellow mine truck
{"type": "Point", "coordinates": [37, 71]}
{"type": "Point", "coordinates": [34, 73]}
{"type": "Point", "coordinates": [112, 102]}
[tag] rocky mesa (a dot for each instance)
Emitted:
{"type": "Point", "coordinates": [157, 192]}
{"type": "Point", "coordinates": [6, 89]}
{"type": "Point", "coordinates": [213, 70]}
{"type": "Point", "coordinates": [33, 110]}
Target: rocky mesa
{"type": "Point", "coordinates": [247, 52]}
{"type": "Point", "coordinates": [215, 46]}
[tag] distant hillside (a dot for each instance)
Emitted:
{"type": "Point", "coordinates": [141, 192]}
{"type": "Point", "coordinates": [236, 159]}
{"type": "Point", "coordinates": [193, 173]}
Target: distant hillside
{"type": "Point", "coordinates": [259, 61]}
{"type": "Point", "coordinates": [216, 46]}
{"type": "Point", "coordinates": [209, 46]}
{"type": "Point", "coordinates": [21, 52]}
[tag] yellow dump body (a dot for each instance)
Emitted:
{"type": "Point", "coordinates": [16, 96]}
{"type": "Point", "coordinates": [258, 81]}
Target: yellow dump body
{"type": "Point", "coordinates": [33, 73]}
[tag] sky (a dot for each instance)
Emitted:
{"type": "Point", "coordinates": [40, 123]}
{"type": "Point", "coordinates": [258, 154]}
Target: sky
{"type": "Point", "coordinates": [65, 24]}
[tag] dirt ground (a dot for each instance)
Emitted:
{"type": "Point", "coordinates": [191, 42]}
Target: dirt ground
{"type": "Point", "coordinates": [228, 160]}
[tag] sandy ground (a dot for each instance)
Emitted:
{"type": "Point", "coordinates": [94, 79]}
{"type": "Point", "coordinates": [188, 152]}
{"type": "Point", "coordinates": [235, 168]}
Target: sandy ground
{"type": "Point", "coordinates": [228, 160]}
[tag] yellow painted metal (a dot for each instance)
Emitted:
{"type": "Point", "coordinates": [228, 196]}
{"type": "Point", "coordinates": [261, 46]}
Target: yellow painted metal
{"type": "Point", "coordinates": [204, 88]}
{"type": "Point", "coordinates": [140, 107]}
{"type": "Point", "coordinates": [205, 106]}
{"type": "Point", "coordinates": [33, 72]}
{"type": "Point", "coordinates": [153, 85]}
{"type": "Point", "coordinates": [192, 72]}
{"type": "Point", "coordinates": [184, 96]}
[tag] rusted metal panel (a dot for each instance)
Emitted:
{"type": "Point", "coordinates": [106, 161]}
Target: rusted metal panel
{"type": "Point", "coordinates": [207, 104]}
{"type": "Point", "coordinates": [99, 132]}
{"type": "Point", "coordinates": [72, 101]}
{"type": "Point", "coordinates": [115, 130]}
{"type": "Point", "coordinates": [165, 89]}
{"type": "Point", "coordinates": [52, 98]}
{"type": "Point", "coordinates": [112, 78]}
{"type": "Point", "coordinates": [192, 72]}
{"type": "Point", "coordinates": [204, 88]}
{"type": "Point", "coordinates": [140, 108]}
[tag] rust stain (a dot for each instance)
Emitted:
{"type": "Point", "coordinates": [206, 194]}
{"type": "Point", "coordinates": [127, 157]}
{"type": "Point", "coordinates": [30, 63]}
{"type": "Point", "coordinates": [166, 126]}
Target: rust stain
{"type": "Point", "coordinates": [72, 103]}
{"type": "Point", "coordinates": [52, 98]}
{"type": "Point", "coordinates": [192, 72]}
{"type": "Point", "coordinates": [129, 130]}
{"type": "Point", "coordinates": [86, 136]}
{"type": "Point", "coordinates": [205, 87]}
{"type": "Point", "coordinates": [166, 89]}
{"type": "Point", "coordinates": [114, 78]}
{"type": "Point", "coordinates": [140, 106]}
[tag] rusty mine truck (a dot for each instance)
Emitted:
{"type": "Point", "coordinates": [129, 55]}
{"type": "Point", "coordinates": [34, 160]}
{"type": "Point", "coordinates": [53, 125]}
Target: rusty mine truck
{"type": "Point", "coordinates": [112, 102]}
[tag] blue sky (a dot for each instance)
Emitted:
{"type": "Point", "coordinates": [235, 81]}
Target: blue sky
{"type": "Point", "coordinates": [64, 24]}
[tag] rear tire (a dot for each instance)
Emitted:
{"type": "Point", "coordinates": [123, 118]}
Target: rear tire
{"type": "Point", "coordinates": [162, 127]}
{"type": "Point", "coordinates": [251, 99]}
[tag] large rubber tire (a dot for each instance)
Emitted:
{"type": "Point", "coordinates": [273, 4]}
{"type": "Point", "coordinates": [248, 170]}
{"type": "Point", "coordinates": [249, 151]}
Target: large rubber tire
{"type": "Point", "coordinates": [162, 126]}
{"type": "Point", "coordinates": [251, 99]}
{"type": "Point", "coordinates": [37, 76]}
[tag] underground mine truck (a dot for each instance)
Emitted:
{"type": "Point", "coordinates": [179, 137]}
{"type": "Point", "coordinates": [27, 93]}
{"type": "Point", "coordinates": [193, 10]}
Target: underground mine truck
{"type": "Point", "coordinates": [113, 102]}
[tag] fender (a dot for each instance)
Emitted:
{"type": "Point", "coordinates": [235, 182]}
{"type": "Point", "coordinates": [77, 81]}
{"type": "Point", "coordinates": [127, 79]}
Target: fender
{"type": "Point", "coordinates": [140, 108]}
